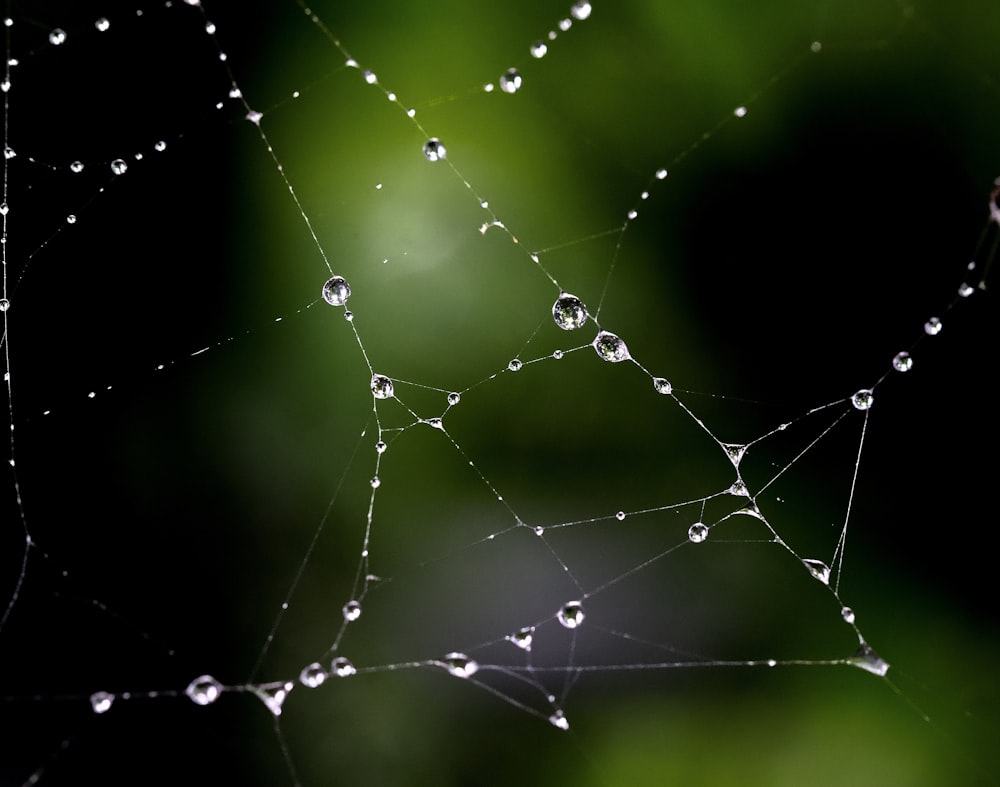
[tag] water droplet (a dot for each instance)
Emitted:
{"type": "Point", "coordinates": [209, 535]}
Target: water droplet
{"type": "Point", "coordinates": [381, 387]}
{"type": "Point", "coordinates": [539, 48]}
{"type": "Point", "coordinates": [370, 77]}
{"type": "Point", "coordinates": [902, 362]}
{"type": "Point", "coordinates": [863, 399]}
{"type": "Point", "coordinates": [632, 214]}
{"type": "Point", "coordinates": [581, 10]}
{"type": "Point", "coordinates": [818, 569]}
{"type": "Point", "coordinates": [375, 482]}
{"type": "Point", "coordinates": [312, 675]}
{"type": "Point", "coordinates": [454, 398]}
{"type": "Point", "coordinates": [610, 347]}
{"type": "Point", "coordinates": [4, 210]}
{"type": "Point", "coordinates": [815, 47]}
{"type": "Point", "coordinates": [434, 150]}
{"type": "Point", "coordinates": [254, 116]}
{"type": "Point", "coordinates": [102, 24]}
{"type": "Point", "coordinates": [76, 166]}
{"type": "Point", "coordinates": [336, 291]}
{"type": "Point", "coordinates": [565, 24]}
{"type": "Point", "coordinates": [698, 532]}
{"type": "Point", "coordinates": [571, 614]}
{"type": "Point", "coordinates": [735, 452]}
{"type": "Point", "coordinates": [740, 112]}
{"type": "Point", "coordinates": [739, 489]}
{"type": "Point", "coordinates": [273, 695]}
{"type": "Point", "coordinates": [210, 28]}
{"type": "Point", "coordinates": [867, 659]}
{"type": "Point", "coordinates": [352, 611]}
{"type": "Point", "coordinates": [9, 152]}
{"type": "Point", "coordinates": [933, 326]}
{"type": "Point", "coordinates": [523, 637]}
{"type": "Point", "coordinates": [510, 82]}
{"type": "Point", "coordinates": [662, 385]}
{"type": "Point", "coordinates": [435, 423]}
{"type": "Point", "coordinates": [847, 614]}
{"type": "Point", "coordinates": [569, 312]}
{"type": "Point", "coordinates": [71, 218]}
{"type": "Point", "coordinates": [515, 365]}
{"type": "Point", "coordinates": [380, 447]}
{"type": "Point", "coordinates": [965, 290]}
{"type": "Point", "coordinates": [119, 167]}
{"type": "Point", "coordinates": [620, 516]}
{"type": "Point", "coordinates": [203, 690]}
{"type": "Point", "coordinates": [160, 146]}
{"type": "Point", "coordinates": [772, 663]}
{"type": "Point", "coordinates": [4, 304]}
{"type": "Point", "coordinates": [460, 665]}
{"type": "Point", "coordinates": [342, 667]}
{"type": "Point", "coordinates": [101, 701]}
{"type": "Point", "coordinates": [349, 315]}
{"type": "Point", "coordinates": [557, 354]}
{"type": "Point", "coordinates": [558, 719]}
{"type": "Point", "coordinates": [5, 85]}
{"type": "Point", "coordinates": [57, 37]}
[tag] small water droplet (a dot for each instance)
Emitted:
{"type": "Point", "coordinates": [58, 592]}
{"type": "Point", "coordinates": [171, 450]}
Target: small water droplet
{"type": "Point", "coordinates": [4, 304]}
{"type": "Point", "coordinates": [381, 387]}
{"type": "Point", "coordinates": [965, 290]}
{"type": "Point", "coordinates": [71, 218]}
{"type": "Point", "coordinates": [102, 24]}
{"type": "Point", "coordinates": [460, 665]}
{"type": "Point", "coordinates": [662, 385]}
{"type": "Point", "coordinates": [863, 399]}
{"type": "Point", "coordinates": [847, 614]}
{"type": "Point", "coordinates": [620, 516]}
{"type": "Point", "coordinates": [370, 77]}
{"type": "Point", "coordinates": [818, 569]}
{"type": "Point", "coordinates": [569, 312]}
{"type": "Point", "coordinates": [375, 482]}
{"type": "Point", "coordinates": [312, 675]}
{"type": "Point", "coordinates": [203, 690]}
{"type": "Point", "coordinates": [510, 81]}
{"type": "Point", "coordinates": [571, 614]}
{"type": "Point", "coordinates": [352, 611]}
{"type": "Point", "coordinates": [867, 659]}
{"type": "Point", "coordinates": [435, 423]}
{"type": "Point", "coordinates": [515, 365]}
{"type": "Point", "coordinates": [632, 214]}
{"type": "Point", "coordinates": [119, 167]}
{"type": "Point", "coordinates": [273, 695]}
{"type": "Point", "coordinates": [558, 719]}
{"type": "Point", "coordinates": [160, 146]}
{"type": "Point", "coordinates": [610, 347]}
{"type": "Point", "coordinates": [565, 24]}
{"type": "Point", "coordinates": [539, 530]}
{"type": "Point", "coordinates": [336, 291]}
{"type": "Point", "coordinates": [739, 489]}
{"type": "Point", "coordinates": [5, 85]}
{"type": "Point", "coordinates": [557, 354]}
{"type": "Point", "coordinates": [101, 701]}
{"type": "Point", "coordinates": [349, 315]}
{"type": "Point", "coordinates": [772, 663]}
{"type": "Point", "coordinates": [76, 166]}
{"type": "Point", "coordinates": [9, 152]}
{"type": "Point", "coordinates": [454, 398]}
{"type": "Point", "coordinates": [342, 667]}
{"type": "Point", "coordinates": [581, 10]}
{"type": "Point", "coordinates": [698, 532]}
{"type": "Point", "coordinates": [815, 47]}
{"type": "Point", "coordinates": [539, 48]}
{"type": "Point", "coordinates": [210, 28]}
{"type": "Point", "coordinates": [523, 637]}
{"type": "Point", "coordinates": [57, 37]}
{"type": "Point", "coordinates": [434, 149]}
{"type": "Point", "coordinates": [902, 362]}
{"type": "Point", "coordinates": [380, 447]}
{"type": "Point", "coordinates": [740, 112]}
{"type": "Point", "coordinates": [933, 326]}
{"type": "Point", "coordinates": [254, 116]}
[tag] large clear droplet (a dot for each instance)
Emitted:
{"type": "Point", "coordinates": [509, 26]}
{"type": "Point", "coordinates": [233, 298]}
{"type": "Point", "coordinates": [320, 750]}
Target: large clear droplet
{"type": "Point", "coordinates": [101, 701]}
{"type": "Point", "coordinates": [454, 398]}
{"type": "Point", "coordinates": [273, 695]}
{"type": "Point", "coordinates": [352, 611]}
{"type": "Point", "coordinates": [515, 365]}
{"type": "Point", "coordinates": [119, 167]}
{"type": "Point", "coordinates": [867, 659]}
{"type": "Point", "coordinates": [342, 667]}
{"type": "Point", "coordinates": [698, 532]}
{"type": "Point", "coordinates": [569, 312]}
{"type": "Point", "coordinates": [539, 48]}
{"type": "Point", "coordinates": [523, 637]}
{"type": "Point", "coordinates": [312, 675]}
{"type": "Point", "coordinates": [203, 690]}
{"type": "Point", "coordinates": [460, 665]}
{"type": "Point", "coordinates": [902, 362]}
{"type": "Point", "coordinates": [933, 326]}
{"type": "Point", "coordinates": [662, 385]}
{"type": "Point", "coordinates": [610, 347]}
{"type": "Point", "coordinates": [818, 569]}
{"type": "Point", "coordinates": [336, 291]}
{"type": "Point", "coordinates": [581, 10]}
{"type": "Point", "coordinates": [76, 166]}
{"type": "Point", "coordinates": [434, 149]}
{"type": "Point", "coordinates": [863, 399]}
{"type": "Point", "coordinates": [57, 37]}
{"type": "Point", "coordinates": [381, 387]}
{"type": "Point", "coordinates": [571, 614]}
{"type": "Point", "coordinates": [510, 82]}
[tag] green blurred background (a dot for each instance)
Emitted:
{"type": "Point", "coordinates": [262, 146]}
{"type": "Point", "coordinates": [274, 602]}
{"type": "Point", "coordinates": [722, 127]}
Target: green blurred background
{"type": "Point", "coordinates": [783, 262]}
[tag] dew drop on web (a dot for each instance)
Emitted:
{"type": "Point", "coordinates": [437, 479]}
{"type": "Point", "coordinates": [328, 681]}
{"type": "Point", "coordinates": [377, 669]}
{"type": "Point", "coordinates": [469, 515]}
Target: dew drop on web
{"type": "Point", "coordinates": [611, 348]}
{"type": "Point", "coordinates": [698, 532]}
{"type": "Point", "coordinates": [569, 312]}
{"type": "Point", "coordinates": [336, 291]}
{"type": "Point", "coordinates": [434, 149]}
{"type": "Point", "coordinates": [381, 387]}
{"type": "Point", "coordinates": [571, 615]}
{"type": "Point", "coordinates": [203, 690]}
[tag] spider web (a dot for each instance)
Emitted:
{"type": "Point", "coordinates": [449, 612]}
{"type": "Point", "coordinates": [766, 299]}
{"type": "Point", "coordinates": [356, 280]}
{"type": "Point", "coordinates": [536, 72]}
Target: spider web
{"type": "Point", "coordinates": [719, 530]}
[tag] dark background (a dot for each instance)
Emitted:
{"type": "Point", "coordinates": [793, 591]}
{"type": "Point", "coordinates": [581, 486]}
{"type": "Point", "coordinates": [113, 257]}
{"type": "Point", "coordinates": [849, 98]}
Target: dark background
{"type": "Point", "coordinates": [787, 257]}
